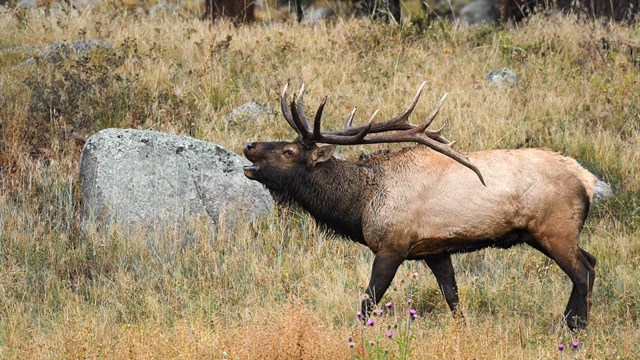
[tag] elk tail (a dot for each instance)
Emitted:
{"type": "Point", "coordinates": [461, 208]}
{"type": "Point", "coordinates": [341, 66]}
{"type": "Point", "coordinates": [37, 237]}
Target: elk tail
{"type": "Point", "coordinates": [596, 189]}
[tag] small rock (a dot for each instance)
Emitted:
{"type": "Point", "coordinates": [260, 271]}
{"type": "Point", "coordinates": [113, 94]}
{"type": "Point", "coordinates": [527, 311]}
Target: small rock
{"type": "Point", "coordinates": [29, 4]}
{"type": "Point", "coordinates": [61, 50]}
{"type": "Point", "coordinates": [79, 5]}
{"type": "Point", "coordinates": [316, 15]}
{"type": "Point", "coordinates": [163, 8]}
{"type": "Point", "coordinates": [250, 111]}
{"type": "Point", "coordinates": [505, 76]}
{"type": "Point", "coordinates": [82, 5]}
{"type": "Point", "coordinates": [480, 12]}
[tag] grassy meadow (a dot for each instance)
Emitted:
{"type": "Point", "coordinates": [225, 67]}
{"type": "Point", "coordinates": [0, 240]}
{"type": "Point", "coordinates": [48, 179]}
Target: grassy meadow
{"type": "Point", "coordinates": [280, 288]}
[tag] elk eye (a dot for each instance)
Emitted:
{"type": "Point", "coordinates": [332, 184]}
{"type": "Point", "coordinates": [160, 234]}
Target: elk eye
{"type": "Point", "coordinates": [288, 153]}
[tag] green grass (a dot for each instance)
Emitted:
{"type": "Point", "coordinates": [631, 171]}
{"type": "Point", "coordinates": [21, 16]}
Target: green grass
{"type": "Point", "coordinates": [281, 288]}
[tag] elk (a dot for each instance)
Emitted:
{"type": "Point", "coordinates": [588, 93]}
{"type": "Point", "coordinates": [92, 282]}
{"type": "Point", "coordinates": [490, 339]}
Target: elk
{"type": "Point", "coordinates": [419, 203]}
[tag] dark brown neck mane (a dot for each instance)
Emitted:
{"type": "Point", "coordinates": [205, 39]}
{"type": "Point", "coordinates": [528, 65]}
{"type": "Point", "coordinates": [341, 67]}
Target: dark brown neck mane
{"type": "Point", "coordinates": [335, 193]}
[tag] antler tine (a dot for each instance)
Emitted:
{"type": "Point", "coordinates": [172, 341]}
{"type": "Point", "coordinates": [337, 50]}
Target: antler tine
{"type": "Point", "coordinates": [400, 122]}
{"type": "Point", "coordinates": [435, 111]}
{"type": "Point", "coordinates": [300, 110]}
{"type": "Point", "coordinates": [285, 109]}
{"type": "Point", "coordinates": [347, 125]}
{"type": "Point", "coordinates": [357, 138]}
{"type": "Point", "coordinates": [435, 134]}
{"type": "Point", "coordinates": [446, 149]}
{"type": "Point", "coordinates": [300, 123]}
{"type": "Point", "coordinates": [318, 119]}
{"type": "Point", "coordinates": [420, 137]}
{"type": "Point", "coordinates": [373, 116]}
{"type": "Point", "coordinates": [404, 117]}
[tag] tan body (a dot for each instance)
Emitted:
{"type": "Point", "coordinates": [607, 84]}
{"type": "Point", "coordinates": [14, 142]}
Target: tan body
{"type": "Point", "coordinates": [428, 203]}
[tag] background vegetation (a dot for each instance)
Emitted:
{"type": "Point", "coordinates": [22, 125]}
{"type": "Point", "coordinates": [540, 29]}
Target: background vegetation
{"type": "Point", "coordinates": [280, 288]}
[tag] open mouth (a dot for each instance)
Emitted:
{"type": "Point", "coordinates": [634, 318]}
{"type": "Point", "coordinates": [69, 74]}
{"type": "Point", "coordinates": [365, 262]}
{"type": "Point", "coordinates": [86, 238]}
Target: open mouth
{"type": "Point", "coordinates": [250, 170]}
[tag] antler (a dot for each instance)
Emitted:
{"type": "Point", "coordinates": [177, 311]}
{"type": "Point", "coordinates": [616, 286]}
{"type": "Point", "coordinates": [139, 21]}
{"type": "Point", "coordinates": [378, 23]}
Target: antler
{"type": "Point", "coordinates": [403, 130]}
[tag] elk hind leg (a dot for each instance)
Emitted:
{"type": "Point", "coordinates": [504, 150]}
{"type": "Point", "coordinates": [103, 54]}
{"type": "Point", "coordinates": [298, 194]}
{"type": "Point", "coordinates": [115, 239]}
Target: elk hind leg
{"type": "Point", "coordinates": [589, 261]}
{"type": "Point", "coordinates": [590, 258]}
{"type": "Point", "coordinates": [442, 269]}
{"type": "Point", "coordinates": [578, 266]}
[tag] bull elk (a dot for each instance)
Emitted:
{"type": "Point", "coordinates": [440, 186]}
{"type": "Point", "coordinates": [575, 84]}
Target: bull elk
{"type": "Point", "coordinates": [419, 203]}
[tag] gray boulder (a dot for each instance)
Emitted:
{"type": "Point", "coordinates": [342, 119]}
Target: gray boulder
{"type": "Point", "coordinates": [504, 76]}
{"type": "Point", "coordinates": [480, 12]}
{"type": "Point", "coordinates": [145, 177]}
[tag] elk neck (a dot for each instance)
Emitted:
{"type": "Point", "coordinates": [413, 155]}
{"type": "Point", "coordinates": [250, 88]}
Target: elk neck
{"type": "Point", "coordinates": [335, 193]}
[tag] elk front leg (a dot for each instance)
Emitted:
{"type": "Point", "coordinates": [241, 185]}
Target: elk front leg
{"type": "Point", "coordinates": [442, 269]}
{"type": "Point", "coordinates": [384, 269]}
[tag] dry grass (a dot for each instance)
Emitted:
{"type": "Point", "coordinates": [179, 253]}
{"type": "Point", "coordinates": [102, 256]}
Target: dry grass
{"type": "Point", "coordinates": [281, 288]}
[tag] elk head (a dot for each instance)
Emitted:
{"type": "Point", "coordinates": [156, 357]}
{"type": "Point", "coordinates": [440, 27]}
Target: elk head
{"type": "Point", "coordinates": [312, 147]}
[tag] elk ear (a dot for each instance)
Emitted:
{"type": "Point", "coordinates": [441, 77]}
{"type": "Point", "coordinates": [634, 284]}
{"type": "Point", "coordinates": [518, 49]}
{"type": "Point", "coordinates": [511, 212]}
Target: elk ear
{"type": "Point", "coordinates": [320, 153]}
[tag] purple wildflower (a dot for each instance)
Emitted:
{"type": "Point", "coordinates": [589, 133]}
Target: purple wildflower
{"type": "Point", "coordinates": [413, 313]}
{"type": "Point", "coordinates": [378, 312]}
{"type": "Point", "coordinates": [389, 334]}
{"type": "Point", "coordinates": [370, 322]}
{"type": "Point", "coordinates": [561, 347]}
{"type": "Point", "coordinates": [574, 345]}
{"type": "Point", "coordinates": [359, 315]}
{"type": "Point", "coordinates": [389, 305]}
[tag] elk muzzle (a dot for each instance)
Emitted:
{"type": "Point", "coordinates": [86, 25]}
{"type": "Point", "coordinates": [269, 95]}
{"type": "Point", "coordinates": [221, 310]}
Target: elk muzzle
{"type": "Point", "coordinates": [249, 152]}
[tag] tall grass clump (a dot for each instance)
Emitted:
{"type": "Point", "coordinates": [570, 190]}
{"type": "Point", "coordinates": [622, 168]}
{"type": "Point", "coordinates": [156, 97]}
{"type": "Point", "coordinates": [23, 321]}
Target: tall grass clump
{"type": "Point", "coordinates": [281, 287]}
